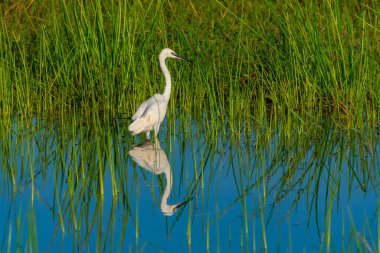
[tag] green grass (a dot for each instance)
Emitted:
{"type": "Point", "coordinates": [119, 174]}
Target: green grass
{"type": "Point", "coordinates": [253, 61]}
{"type": "Point", "coordinates": [296, 82]}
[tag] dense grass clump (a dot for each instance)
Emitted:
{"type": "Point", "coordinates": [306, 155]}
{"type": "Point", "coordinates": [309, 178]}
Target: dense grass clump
{"type": "Point", "coordinates": [255, 61]}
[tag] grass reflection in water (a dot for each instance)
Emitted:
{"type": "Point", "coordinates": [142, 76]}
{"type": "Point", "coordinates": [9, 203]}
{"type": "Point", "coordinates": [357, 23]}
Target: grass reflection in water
{"type": "Point", "coordinates": [86, 189]}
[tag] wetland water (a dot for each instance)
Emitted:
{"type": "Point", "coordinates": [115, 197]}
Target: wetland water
{"type": "Point", "coordinates": [76, 188]}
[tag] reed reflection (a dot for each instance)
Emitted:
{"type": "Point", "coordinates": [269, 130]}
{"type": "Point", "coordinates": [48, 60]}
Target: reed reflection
{"type": "Point", "coordinates": [152, 157]}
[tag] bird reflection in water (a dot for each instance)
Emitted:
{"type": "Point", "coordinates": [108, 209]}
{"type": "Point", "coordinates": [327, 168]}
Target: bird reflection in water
{"type": "Point", "coordinates": [152, 157]}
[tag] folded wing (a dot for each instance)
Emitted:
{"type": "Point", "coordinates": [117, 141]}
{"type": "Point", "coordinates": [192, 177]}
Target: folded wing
{"type": "Point", "coordinates": [147, 115]}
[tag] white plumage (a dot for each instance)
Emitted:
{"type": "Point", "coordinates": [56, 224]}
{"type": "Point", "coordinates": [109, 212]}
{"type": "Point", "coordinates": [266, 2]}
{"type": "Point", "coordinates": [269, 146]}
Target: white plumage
{"type": "Point", "coordinates": [152, 112]}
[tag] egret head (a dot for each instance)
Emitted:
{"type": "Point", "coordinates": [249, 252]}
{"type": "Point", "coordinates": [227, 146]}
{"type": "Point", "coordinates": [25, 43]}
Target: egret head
{"type": "Point", "coordinates": [168, 53]}
{"type": "Point", "coordinates": [169, 210]}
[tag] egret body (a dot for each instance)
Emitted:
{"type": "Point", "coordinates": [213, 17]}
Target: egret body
{"type": "Point", "coordinates": [152, 112]}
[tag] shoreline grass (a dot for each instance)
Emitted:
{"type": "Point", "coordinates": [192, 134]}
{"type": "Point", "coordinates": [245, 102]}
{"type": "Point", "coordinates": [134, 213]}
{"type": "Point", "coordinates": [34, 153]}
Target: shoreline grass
{"type": "Point", "coordinates": [254, 62]}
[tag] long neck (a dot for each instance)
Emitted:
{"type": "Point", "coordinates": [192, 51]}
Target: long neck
{"type": "Point", "coordinates": [168, 80]}
{"type": "Point", "coordinates": [168, 188]}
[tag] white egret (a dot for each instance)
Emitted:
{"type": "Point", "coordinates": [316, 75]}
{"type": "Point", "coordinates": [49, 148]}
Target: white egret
{"type": "Point", "coordinates": [152, 112]}
{"type": "Point", "coordinates": [152, 158]}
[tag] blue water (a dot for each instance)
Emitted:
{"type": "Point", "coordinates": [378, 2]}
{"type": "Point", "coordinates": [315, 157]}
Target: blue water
{"type": "Point", "coordinates": [230, 208]}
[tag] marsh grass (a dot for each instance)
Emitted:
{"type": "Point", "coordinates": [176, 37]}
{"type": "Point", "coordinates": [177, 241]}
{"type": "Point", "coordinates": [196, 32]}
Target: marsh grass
{"type": "Point", "coordinates": [282, 97]}
{"type": "Point", "coordinates": [253, 61]}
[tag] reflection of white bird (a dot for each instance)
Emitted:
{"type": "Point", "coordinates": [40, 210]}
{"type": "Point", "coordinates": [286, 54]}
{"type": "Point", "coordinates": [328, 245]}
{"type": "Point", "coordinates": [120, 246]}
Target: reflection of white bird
{"type": "Point", "coordinates": [151, 157]}
{"type": "Point", "coordinates": [152, 112]}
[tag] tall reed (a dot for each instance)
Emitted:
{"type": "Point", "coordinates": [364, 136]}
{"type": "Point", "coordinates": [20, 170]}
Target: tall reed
{"type": "Point", "coordinates": [253, 61]}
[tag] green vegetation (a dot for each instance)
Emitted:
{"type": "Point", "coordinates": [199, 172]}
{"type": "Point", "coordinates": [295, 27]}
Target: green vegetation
{"type": "Point", "coordinates": [283, 99]}
{"type": "Point", "coordinates": [70, 60]}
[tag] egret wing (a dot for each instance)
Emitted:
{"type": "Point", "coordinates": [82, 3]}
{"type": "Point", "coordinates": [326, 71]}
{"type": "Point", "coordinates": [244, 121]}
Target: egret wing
{"type": "Point", "coordinates": [150, 117]}
{"type": "Point", "coordinates": [157, 98]}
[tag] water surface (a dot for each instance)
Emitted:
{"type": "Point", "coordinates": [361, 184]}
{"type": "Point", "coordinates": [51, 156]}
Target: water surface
{"type": "Point", "coordinates": [79, 188]}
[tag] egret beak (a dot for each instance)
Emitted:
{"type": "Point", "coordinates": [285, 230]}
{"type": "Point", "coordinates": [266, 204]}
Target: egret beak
{"type": "Point", "coordinates": [173, 208]}
{"type": "Point", "coordinates": [183, 203]}
{"type": "Point", "coordinates": [182, 58]}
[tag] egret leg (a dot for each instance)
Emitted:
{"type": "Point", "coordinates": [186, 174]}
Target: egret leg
{"type": "Point", "coordinates": [156, 141]}
{"type": "Point", "coordinates": [156, 128]}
